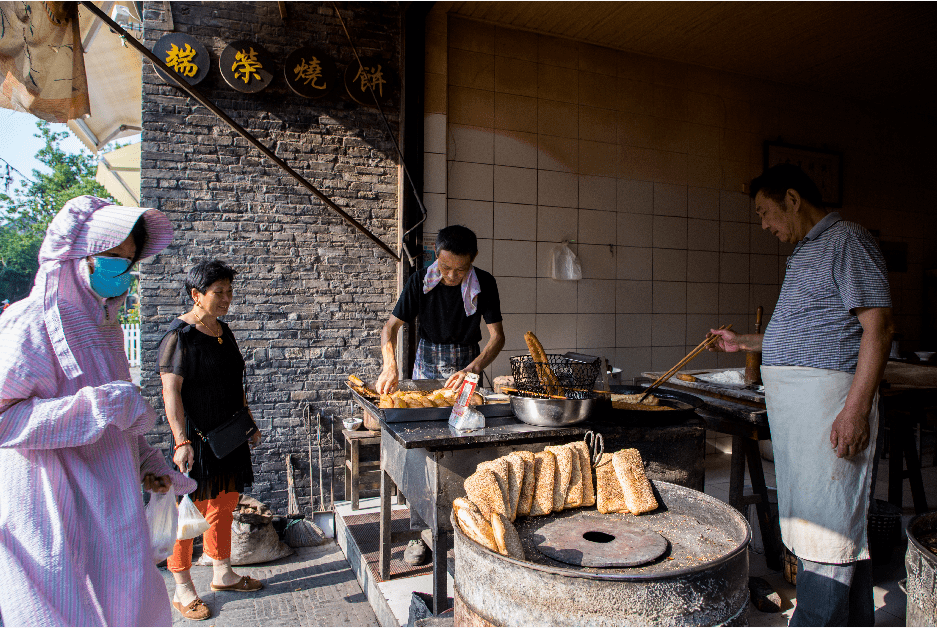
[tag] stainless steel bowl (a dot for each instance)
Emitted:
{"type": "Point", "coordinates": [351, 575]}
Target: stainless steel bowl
{"type": "Point", "coordinates": [553, 412]}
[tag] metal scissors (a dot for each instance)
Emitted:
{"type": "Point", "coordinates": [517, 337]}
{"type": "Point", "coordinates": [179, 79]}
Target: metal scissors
{"type": "Point", "coordinates": [596, 445]}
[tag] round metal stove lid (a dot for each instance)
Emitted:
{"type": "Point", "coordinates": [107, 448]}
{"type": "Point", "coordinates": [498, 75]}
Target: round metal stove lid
{"type": "Point", "coordinates": [591, 539]}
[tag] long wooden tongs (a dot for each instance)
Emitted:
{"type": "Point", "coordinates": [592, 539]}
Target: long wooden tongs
{"type": "Point", "coordinates": [710, 339]}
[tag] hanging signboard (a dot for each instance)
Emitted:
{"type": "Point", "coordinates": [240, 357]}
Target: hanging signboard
{"type": "Point", "coordinates": [310, 73]}
{"type": "Point", "coordinates": [246, 66]}
{"type": "Point", "coordinates": [184, 54]}
{"type": "Point", "coordinates": [372, 73]}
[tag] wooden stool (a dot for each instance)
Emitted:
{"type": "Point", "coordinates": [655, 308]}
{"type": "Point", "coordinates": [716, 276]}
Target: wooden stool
{"type": "Point", "coordinates": [359, 474]}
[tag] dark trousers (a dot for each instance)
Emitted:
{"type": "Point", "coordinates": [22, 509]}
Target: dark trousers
{"type": "Point", "coordinates": [834, 595]}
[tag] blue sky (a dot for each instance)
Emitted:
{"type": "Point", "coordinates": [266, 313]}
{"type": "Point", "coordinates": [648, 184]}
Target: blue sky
{"type": "Point", "coordinates": [19, 147]}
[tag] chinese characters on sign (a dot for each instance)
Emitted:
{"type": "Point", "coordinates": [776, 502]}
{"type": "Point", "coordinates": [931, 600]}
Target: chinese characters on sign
{"type": "Point", "coordinates": [371, 78]}
{"type": "Point", "coordinates": [182, 60]}
{"type": "Point", "coordinates": [309, 73]}
{"type": "Point", "coordinates": [368, 81]}
{"type": "Point", "coordinates": [246, 66]}
{"type": "Point", "coordinates": [185, 55]}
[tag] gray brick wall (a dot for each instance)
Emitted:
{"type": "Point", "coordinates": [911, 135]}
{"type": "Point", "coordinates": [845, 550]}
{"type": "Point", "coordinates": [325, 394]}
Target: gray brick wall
{"type": "Point", "coordinates": [311, 292]}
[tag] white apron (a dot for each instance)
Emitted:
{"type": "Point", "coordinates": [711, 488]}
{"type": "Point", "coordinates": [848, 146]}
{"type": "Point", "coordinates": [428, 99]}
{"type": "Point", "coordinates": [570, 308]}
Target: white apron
{"type": "Point", "coordinates": [823, 500]}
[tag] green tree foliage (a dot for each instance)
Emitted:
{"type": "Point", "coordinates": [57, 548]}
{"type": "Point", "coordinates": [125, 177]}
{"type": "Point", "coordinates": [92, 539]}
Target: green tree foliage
{"type": "Point", "coordinates": [18, 262]}
{"type": "Point", "coordinates": [28, 209]}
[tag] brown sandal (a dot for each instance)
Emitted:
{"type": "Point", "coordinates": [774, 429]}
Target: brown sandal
{"type": "Point", "coordinates": [244, 585]}
{"type": "Point", "coordinates": [196, 610]}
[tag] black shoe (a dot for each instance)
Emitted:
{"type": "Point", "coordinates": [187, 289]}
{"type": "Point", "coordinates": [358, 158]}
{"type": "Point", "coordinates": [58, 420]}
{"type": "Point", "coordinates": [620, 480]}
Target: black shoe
{"type": "Point", "coordinates": [416, 553]}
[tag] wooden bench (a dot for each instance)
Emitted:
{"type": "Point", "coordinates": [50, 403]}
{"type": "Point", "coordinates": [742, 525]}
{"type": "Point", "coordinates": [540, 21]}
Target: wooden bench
{"type": "Point", "coordinates": [360, 475]}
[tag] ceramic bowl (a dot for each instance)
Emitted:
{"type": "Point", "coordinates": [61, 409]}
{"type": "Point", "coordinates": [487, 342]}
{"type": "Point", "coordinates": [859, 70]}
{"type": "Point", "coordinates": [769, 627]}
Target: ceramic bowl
{"type": "Point", "coordinates": [924, 356]}
{"type": "Point", "coordinates": [352, 424]}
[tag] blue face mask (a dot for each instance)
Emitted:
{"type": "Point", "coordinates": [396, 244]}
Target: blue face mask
{"type": "Point", "coordinates": [109, 278]}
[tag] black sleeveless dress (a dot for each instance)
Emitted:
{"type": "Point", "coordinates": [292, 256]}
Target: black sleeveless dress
{"type": "Point", "coordinates": [212, 391]}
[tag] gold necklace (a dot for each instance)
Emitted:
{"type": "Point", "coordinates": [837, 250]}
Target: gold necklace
{"type": "Point", "coordinates": [220, 332]}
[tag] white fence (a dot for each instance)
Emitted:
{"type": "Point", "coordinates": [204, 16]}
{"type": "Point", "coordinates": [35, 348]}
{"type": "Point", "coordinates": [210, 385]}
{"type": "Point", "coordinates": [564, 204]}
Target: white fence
{"type": "Point", "coordinates": [132, 343]}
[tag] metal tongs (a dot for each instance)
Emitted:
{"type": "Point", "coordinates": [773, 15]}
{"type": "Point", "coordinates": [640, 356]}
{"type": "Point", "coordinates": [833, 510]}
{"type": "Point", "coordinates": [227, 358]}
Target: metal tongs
{"type": "Point", "coordinates": [596, 445]}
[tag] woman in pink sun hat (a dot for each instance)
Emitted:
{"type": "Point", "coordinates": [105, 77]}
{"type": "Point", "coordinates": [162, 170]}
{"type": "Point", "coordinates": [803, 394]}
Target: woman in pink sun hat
{"type": "Point", "coordinates": [74, 542]}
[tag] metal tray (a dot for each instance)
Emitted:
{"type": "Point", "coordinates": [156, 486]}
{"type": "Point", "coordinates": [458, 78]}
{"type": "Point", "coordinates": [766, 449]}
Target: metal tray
{"type": "Point", "coordinates": [405, 415]}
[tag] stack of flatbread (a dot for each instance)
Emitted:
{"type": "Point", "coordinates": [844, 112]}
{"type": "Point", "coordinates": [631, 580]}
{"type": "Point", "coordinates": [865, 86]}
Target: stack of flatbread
{"type": "Point", "coordinates": [621, 484]}
{"type": "Point", "coordinates": [558, 478]}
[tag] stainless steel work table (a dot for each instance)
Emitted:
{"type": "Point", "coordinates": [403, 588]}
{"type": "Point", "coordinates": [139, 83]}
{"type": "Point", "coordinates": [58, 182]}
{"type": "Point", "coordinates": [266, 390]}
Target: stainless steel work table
{"type": "Point", "coordinates": [428, 461]}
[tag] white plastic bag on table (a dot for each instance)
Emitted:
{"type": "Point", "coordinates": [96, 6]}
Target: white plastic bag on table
{"type": "Point", "coordinates": [566, 266]}
{"type": "Point", "coordinates": [470, 419]}
{"type": "Point", "coordinates": [191, 521]}
{"type": "Point", "coordinates": [161, 517]}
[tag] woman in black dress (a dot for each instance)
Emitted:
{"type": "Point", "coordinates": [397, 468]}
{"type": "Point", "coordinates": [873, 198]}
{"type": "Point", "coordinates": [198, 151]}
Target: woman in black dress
{"type": "Point", "coordinates": [202, 373]}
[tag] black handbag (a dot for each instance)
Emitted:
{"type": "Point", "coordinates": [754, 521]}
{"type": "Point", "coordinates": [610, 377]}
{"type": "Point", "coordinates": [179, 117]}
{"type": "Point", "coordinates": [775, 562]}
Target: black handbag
{"type": "Point", "coordinates": [231, 434]}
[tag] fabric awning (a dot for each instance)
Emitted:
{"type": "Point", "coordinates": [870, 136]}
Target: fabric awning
{"type": "Point", "coordinates": [60, 73]}
{"type": "Point", "coordinates": [119, 173]}
{"type": "Point", "coordinates": [115, 77]}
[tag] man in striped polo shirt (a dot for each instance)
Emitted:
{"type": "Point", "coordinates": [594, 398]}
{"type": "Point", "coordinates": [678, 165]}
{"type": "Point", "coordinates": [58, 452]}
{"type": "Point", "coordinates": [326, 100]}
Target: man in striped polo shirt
{"type": "Point", "coordinates": [823, 356]}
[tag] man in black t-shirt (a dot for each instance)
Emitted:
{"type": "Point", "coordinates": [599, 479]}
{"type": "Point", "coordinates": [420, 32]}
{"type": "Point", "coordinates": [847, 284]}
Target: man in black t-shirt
{"type": "Point", "coordinates": [450, 299]}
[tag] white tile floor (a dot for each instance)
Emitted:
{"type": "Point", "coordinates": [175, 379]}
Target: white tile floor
{"type": "Point", "coordinates": [890, 601]}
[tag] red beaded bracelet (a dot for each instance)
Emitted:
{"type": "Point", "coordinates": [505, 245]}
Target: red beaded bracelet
{"type": "Point", "coordinates": [182, 444]}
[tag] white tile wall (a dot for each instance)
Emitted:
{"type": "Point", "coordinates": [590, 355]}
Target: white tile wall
{"type": "Point", "coordinates": [596, 296]}
{"type": "Point", "coordinates": [635, 229]}
{"type": "Point", "coordinates": [518, 294]}
{"type": "Point", "coordinates": [515, 148]}
{"type": "Point", "coordinates": [515, 222]}
{"type": "Point", "coordinates": [471, 143]}
{"type": "Point", "coordinates": [597, 193]}
{"type": "Point", "coordinates": [670, 297]}
{"type": "Point", "coordinates": [635, 263]}
{"type": "Point", "coordinates": [471, 181]}
{"type": "Point", "coordinates": [476, 215]}
{"type": "Point", "coordinates": [557, 224]}
{"type": "Point", "coordinates": [634, 296]}
{"type": "Point", "coordinates": [515, 258]}
{"type": "Point", "coordinates": [557, 189]}
{"type": "Point", "coordinates": [515, 185]}
{"type": "Point", "coordinates": [556, 296]}
{"type": "Point", "coordinates": [597, 227]}
{"type": "Point", "coordinates": [641, 165]}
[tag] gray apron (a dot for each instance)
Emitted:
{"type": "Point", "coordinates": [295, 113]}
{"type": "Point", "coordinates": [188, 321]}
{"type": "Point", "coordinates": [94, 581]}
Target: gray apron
{"type": "Point", "coordinates": [823, 501]}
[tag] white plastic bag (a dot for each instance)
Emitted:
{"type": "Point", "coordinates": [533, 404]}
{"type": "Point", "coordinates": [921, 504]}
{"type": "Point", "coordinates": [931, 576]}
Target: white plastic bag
{"type": "Point", "coordinates": [470, 419]}
{"type": "Point", "coordinates": [191, 521]}
{"type": "Point", "coordinates": [566, 266]}
{"type": "Point", "coordinates": [161, 519]}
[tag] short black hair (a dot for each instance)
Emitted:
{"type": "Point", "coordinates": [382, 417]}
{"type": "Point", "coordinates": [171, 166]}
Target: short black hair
{"type": "Point", "coordinates": [138, 233]}
{"type": "Point", "coordinates": [778, 179]}
{"type": "Point", "coordinates": [458, 240]}
{"type": "Point", "coordinates": [204, 274]}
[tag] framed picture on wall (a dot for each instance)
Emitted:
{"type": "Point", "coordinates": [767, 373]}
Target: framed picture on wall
{"type": "Point", "coordinates": [825, 167]}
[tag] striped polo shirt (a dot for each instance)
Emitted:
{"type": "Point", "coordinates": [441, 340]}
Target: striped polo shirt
{"type": "Point", "coordinates": [836, 267]}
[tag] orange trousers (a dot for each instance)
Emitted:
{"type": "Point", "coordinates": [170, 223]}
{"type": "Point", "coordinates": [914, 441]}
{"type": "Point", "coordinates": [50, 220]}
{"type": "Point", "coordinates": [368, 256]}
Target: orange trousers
{"type": "Point", "coordinates": [219, 513]}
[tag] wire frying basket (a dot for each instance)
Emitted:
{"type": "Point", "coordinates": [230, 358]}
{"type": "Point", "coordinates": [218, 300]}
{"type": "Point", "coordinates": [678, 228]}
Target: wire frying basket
{"type": "Point", "coordinates": [575, 376]}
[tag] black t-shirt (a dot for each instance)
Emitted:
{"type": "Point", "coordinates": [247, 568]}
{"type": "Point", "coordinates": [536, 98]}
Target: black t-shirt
{"type": "Point", "coordinates": [212, 391]}
{"type": "Point", "coordinates": [441, 312]}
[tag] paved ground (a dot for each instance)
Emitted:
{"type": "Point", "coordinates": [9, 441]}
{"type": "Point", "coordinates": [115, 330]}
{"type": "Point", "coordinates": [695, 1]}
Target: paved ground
{"type": "Point", "coordinates": [313, 587]}
{"type": "Point", "coordinates": [316, 586]}
{"type": "Point", "coordinates": [890, 601]}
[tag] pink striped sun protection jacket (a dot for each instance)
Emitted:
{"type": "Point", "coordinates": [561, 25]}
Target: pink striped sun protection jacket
{"type": "Point", "coordinates": [74, 544]}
